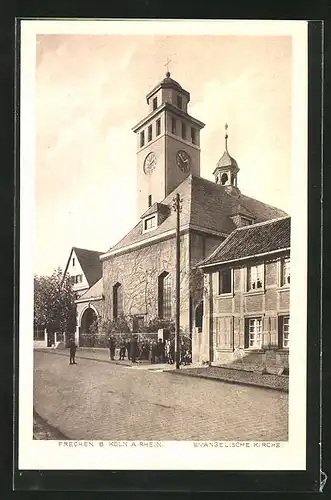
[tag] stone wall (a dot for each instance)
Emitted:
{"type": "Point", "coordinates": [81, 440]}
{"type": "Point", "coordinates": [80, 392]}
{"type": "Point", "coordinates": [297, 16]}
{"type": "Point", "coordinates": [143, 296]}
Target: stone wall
{"type": "Point", "coordinates": [138, 272]}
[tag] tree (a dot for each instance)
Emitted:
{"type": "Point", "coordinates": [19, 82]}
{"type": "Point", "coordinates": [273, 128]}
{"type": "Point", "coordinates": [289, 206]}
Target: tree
{"type": "Point", "coordinates": [54, 303]}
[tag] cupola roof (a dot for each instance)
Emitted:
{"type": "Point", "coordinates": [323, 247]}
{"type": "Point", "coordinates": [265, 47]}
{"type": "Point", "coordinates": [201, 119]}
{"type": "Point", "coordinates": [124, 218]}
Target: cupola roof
{"type": "Point", "coordinates": [226, 160]}
{"type": "Point", "coordinates": [168, 82]}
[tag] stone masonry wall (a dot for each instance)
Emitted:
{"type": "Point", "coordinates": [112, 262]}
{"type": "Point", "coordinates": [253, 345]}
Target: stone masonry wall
{"type": "Point", "coordinates": [138, 271]}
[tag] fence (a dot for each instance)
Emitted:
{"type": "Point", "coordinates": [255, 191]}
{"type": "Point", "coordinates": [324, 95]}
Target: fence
{"type": "Point", "coordinates": [42, 338]}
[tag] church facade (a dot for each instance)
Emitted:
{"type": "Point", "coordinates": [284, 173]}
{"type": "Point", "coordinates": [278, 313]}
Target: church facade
{"type": "Point", "coordinates": [138, 273]}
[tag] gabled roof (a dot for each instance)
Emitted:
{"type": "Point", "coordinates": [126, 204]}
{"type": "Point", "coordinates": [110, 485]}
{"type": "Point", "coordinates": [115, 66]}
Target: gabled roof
{"type": "Point", "coordinates": [90, 263]}
{"type": "Point", "coordinates": [206, 206]}
{"type": "Point", "coordinates": [251, 241]}
{"type": "Point", "coordinates": [96, 291]}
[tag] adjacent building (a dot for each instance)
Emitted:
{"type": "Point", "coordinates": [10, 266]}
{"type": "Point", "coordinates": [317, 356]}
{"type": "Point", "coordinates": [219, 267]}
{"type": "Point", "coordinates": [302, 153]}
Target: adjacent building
{"type": "Point", "coordinates": [84, 268]}
{"type": "Point", "coordinates": [247, 297]}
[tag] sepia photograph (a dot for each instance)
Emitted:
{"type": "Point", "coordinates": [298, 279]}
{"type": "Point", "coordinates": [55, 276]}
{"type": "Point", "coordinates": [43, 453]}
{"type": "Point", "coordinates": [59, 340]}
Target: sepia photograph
{"type": "Point", "coordinates": [163, 257]}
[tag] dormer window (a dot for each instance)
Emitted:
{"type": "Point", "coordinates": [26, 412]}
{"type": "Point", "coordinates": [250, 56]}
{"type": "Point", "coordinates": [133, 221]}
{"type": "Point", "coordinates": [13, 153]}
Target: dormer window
{"type": "Point", "coordinates": [154, 103]}
{"type": "Point", "coordinates": [150, 223]}
{"type": "Point", "coordinates": [245, 221]}
{"type": "Point", "coordinates": [179, 102]}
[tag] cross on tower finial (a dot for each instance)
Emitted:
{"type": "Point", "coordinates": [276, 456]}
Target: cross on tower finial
{"type": "Point", "coordinates": [226, 136]}
{"type": "Point", "coordinates": [167, 65]}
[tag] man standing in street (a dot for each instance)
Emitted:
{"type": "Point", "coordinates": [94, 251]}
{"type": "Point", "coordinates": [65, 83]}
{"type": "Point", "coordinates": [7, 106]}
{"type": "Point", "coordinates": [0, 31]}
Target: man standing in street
{"type": "Point", "coordinates": [111, 344]}
{"type": "Point", "coordinates": [72, 347]}
{"type": "Point", "coordinates": [133, 349]}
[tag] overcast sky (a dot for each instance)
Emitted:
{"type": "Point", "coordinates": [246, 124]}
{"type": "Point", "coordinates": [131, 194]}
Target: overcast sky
{"type": "Point", "coordinates": [90, 92]}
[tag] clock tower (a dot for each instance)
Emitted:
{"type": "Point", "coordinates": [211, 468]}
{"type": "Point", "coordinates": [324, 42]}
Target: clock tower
{"type": "Point", "coordinates": [168, 143]}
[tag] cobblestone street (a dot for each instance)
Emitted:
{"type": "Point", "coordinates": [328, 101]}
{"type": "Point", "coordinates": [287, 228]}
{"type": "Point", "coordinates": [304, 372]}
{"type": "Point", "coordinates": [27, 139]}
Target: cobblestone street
{"type": "Point", "coordinates": [106, 401]}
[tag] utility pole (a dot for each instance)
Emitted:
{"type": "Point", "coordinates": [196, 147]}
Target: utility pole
{"type": "Point", "coordinates": [177, 208]}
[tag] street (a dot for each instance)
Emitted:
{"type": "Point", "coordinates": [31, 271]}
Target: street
{"type": "Point", "coordinates": [96, 400]}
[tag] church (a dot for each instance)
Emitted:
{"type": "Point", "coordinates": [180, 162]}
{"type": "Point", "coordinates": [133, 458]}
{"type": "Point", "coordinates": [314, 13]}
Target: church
{"type": "Point", "coordinates": [138, 273]}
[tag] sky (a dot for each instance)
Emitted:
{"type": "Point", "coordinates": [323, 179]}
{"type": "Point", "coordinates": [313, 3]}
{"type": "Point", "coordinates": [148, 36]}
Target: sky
{"type": "Point", "coordinates": [91, 90]}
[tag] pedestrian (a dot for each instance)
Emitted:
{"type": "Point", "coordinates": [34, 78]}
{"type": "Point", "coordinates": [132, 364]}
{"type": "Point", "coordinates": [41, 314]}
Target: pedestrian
{"type": "Point", "coordinates": [122, 349]}
{"type": "Point", "coordinates": [182, 351]}
{"type": "Point", "coordinates": [172, 351]}
{"type": "Point", "coordinates": [133, 349]}
{"type": "Point", "coordinates": [128, 346]}
{"type": "Point", "coordinates": [111, 344]}
{"type": "Point", "coordinates": [72, 347]}
{"type": "Point", "coordinates": [160, 351]}
{"type": "Point", "coordinates": [153, 351]}
{"type": "Point", "coordinates": [167, 351]}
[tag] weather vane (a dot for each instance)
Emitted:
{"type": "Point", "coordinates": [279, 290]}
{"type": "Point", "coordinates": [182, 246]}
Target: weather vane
{"type": "Point", "coordinates": [226, 136]}
{"type": "Point", "coordinates": [167, 64]}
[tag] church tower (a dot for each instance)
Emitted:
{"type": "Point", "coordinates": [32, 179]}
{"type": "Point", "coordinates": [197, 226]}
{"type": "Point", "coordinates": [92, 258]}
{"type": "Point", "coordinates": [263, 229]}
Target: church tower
{"type": "Point", "coordinates": [227, 169]}
{"type": "Point", "coordinates": [168, 143]}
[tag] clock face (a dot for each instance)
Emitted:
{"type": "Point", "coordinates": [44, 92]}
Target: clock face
{"type": "Point", "coordinates": [183, 161]}
{"type": "Point", "coordinates": [149, 163]}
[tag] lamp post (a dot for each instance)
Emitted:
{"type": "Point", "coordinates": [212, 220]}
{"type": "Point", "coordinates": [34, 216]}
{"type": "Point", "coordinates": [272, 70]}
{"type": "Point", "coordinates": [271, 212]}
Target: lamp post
{"type": "Point", "coordinates": [177, 208]}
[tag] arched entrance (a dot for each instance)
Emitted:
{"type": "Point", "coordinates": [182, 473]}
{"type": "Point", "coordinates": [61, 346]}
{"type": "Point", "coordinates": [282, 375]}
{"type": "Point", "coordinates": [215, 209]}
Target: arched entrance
{"type": "Point", "coordinates": [86, 335]}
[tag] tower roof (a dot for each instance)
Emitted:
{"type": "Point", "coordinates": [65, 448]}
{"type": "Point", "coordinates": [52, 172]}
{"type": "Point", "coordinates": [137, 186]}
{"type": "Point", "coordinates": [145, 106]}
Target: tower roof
{"type": "Point", "coordinates": [226, 160]}
{"type": "Point", "coordinates": [167, 82]}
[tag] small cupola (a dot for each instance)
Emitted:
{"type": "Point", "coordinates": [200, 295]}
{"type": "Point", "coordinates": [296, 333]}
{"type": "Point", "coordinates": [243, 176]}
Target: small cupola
{"type": "Point", "coordinates": [227, 168]}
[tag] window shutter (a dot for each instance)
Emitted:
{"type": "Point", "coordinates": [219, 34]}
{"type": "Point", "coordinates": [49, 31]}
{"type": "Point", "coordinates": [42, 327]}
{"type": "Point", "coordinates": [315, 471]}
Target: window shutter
{"type": "Point", "coordinates": [280, 331]}
{"type": "Point", "coordinates": [266, 333]}
{"type": "Point", "coordinates": [231, 332]}
{"type": "Point", "coordinates": [243, 342]}
{"type": "Point", "coordinates": [273, 332]}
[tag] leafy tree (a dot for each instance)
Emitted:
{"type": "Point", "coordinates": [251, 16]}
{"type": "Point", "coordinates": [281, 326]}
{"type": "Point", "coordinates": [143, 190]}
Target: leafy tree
{"type": "Point", "coordinates": [54, 303]}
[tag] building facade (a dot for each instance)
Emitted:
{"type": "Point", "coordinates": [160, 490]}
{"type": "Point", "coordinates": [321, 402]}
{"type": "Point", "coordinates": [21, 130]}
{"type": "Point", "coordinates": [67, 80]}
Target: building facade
{"type": "Point", "coordinates": [247, 298]}
{"type": "Point", "coordinates": [138, 273]}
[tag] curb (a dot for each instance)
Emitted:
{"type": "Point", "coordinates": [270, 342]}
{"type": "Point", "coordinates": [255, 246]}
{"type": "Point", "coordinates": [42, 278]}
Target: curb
{"type": "Point", "coordinates": [228, 381]}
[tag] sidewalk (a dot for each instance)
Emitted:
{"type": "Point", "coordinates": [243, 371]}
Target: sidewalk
{"type": "Point", "coordinates": [222, 374]}
{"type": "Point", "coordinates": [236, 376]}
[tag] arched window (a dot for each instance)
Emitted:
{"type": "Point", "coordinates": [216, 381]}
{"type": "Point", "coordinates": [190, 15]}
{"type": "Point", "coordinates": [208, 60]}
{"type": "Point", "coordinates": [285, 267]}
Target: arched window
{"type": "Point", "coordinates": [224, 178]}
{"type": "Point", "coordinates": [165, 293]}
{"type": "Point", "coordinates": [117, 300]}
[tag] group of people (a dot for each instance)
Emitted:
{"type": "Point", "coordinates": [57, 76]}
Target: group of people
{"type": "Point", "coordinates": [154, 351]}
